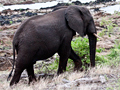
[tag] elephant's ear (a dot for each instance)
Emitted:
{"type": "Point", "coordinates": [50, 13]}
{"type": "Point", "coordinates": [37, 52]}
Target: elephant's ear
{"type": "Point", "coordinates": [76, 19]}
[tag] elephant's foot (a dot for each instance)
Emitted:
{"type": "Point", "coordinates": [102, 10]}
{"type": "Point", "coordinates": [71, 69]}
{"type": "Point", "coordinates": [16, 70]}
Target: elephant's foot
{"type": "Point", "coordinates": [78, 66]}
{"type": "Point", "coordinates": [60, 71]}
{"type": "Point", "coordinates": [32, 79]}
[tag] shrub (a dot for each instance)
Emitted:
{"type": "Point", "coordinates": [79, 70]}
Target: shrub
{"type": "Point", "coordinates": [81, 48]}
{"type": "Point", "coordinates": [108, 27]}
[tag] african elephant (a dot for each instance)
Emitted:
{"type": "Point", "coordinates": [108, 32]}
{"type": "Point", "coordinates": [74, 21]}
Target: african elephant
{"type": "Point", "coordinates": [40, 37]}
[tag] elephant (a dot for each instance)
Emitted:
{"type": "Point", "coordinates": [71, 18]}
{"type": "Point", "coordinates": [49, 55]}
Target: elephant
{"type": "Point", "coordinates": [41, 36]}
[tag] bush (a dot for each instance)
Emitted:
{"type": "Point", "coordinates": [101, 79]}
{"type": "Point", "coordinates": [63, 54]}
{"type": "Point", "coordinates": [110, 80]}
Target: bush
{"type": "Point", "coordinates": [108, 27]}
{"type": "Point", "coordinates": [81, 48]}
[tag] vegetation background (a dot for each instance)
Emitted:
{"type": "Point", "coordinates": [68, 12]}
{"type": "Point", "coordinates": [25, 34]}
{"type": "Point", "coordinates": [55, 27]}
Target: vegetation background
{"type": "Point", "coordinates": [105, 76]}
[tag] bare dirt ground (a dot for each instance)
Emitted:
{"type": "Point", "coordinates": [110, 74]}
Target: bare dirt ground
{"type": "Point", "coordinates": [98, 78]}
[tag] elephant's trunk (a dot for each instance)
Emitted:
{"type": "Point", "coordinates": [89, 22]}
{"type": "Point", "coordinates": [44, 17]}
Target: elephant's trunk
{"type": "Point", "coordinates": [92, 46]}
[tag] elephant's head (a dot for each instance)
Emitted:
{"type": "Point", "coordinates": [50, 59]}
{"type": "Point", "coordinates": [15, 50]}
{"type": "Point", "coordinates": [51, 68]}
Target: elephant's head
{"type": "Point", "coordinates": [80, 20]}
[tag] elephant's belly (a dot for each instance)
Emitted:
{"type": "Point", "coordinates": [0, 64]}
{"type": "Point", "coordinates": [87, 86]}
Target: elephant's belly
{"type": "Point", "coordinates": [45, 52]}
{"type": "Point", "coordinates": [44, 55]}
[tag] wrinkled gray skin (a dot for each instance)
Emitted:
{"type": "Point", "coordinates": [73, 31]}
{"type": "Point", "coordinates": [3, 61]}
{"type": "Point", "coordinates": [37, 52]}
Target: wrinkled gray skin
{"type": "Point", "coordinates": [40, 37]}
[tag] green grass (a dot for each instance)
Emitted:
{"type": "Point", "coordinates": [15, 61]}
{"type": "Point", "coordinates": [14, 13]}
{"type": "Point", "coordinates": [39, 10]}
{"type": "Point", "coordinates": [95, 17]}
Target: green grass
{"type": "Point", "coordinates": [81, 47]}
{"type": "Point", "coordinates": [11, 22]}
{"type": "Point", "coordinates": [114, 56]}
{"type": "Point", "coordinates": [108, 27]}
{"type": "Point", "coordinates": [115, 85]}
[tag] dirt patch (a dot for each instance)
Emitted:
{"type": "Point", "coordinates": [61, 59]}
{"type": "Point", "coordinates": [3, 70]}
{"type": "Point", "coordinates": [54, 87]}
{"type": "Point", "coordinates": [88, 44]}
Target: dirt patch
{"type": "Point", "coordinates": [6, 36]}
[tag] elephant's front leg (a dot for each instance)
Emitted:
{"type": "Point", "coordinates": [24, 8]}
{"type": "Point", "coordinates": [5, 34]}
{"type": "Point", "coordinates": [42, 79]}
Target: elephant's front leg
{"type": "Point", "coordinates": [62, 65]}
{"type": "Point", "coordinates": [77, 60]}
{"type": "Point", "coordinates": [64, 53]}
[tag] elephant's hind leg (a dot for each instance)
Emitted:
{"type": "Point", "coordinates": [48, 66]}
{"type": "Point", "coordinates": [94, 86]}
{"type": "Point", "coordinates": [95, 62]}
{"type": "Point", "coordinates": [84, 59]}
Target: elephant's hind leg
{"type": "Point", "coordinates": [22, 62]}
{"type": "Point", "coordinates": [77, 61]}
{"type": "Point", "coordinates": [16, 76]}
{"type": "Point", "coordinates": [31, 76]}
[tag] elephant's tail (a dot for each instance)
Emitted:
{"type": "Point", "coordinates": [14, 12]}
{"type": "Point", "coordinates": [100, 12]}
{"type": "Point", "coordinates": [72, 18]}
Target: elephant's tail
{"type": "Point", "coordinates": [13, 63]}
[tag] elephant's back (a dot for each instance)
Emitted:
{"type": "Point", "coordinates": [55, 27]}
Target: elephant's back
{"type": "Point", "coordinates": [39, 28]}
{"type": "Point", "coordinates": [52, 20]}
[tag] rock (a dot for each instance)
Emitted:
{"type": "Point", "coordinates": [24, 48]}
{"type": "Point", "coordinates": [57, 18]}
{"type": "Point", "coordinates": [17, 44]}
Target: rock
{"type": "Point", "coordinates": [68, 85]}
{"type": "Point", "coordinates": [86, 4]}
{"type": "Point", "coordinates": [35, 14]}
{"type": "Point", "coordinates": [65, 81]}
{"type": "Point", "coordinates": [1, 19]}
{"type": "Point", "coordinates": [99, 1]}
{"type": "Point", "coordinates": [77, 3]}
{"type": "Point", "coordinates": [83, 81]}
{"type": "Point", "coordinates": [88, 80]}
{"type": "Point", "coordinates": [96, 9]}
{"type": "Point", "coordinates": [29, 14]}
{"type": "Point", "coordinates": [22, 14]}
{"type": "Point", "coordinates": [5, 22]}
{"type": "Point", "coordinates": [8, 19]}
{"type": "Point", "coordinates": [6, 11]}
{"type": "Point", "coordinates": [102, 79]}
{"type": "Point", "coordinates": [19, 21]}
{"type": "Point", "coordinates": [16, 15]}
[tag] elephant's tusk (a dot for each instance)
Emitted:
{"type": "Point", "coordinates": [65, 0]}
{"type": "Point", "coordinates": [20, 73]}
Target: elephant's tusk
{"type": "Point", "coordinates": [97, 36]}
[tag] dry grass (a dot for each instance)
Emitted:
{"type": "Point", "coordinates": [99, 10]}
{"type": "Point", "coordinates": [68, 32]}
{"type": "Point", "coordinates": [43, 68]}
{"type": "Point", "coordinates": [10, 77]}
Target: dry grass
{"type": "Point", "coordinates": [57, 82]}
